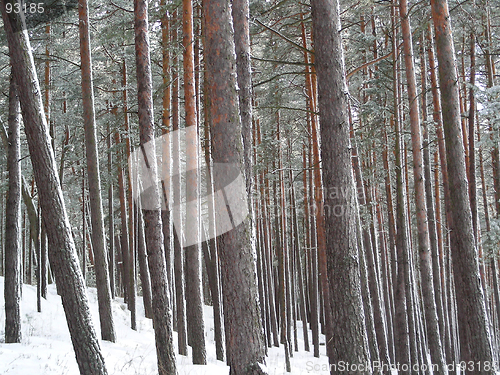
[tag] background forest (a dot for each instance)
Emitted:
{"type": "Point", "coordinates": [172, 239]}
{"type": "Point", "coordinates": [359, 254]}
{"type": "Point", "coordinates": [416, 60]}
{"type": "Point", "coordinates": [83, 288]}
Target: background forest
{"type": "Point", "coordinates": [413, 269]}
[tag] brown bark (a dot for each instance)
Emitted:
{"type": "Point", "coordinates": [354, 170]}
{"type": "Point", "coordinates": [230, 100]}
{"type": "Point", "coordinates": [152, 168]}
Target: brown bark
{"type": "Point", "coordinates": [427, 283]}
{"type": "Point", "coordinates": [62, 253]}
{"type": "Point", "coordinates": [94, 180]}
{"type": "Point", "coordinates": [245, 349]}
{"type": "Point", "coordinates": [12, 286]}
{"type": "Point", "coordinates": [349, 341]}
{"type": "Point", "coordinates": [176, 195]}
{"type": "Point", "coordinates": [241, 18]}
{"type": "Point", "coordinates": [131, 288]}
{"type": "Point", "coordinates": [308, 196]}
{"type": "Point", "coordinates": [143, 268]}
{"type": "Point", "coordinates": [194, 303]}
{"type": "Point", "coordinates": [111, 223]}
{"type": "Point", "coordinates": [472, 319]}
{"type": "Point", "coordinates": [162, 315]}
{"type": "Point", "coordinates": [212, 257]}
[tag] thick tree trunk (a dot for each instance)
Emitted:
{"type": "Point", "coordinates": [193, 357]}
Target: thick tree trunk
{"type": "Point", "coordinates": [162, 315]}
{"type": "Point", "coordinates": [94, 180]}
{"type": "Point", "coordinates": [64, 261]}
{"type": "Point", "coordinates": [349, 342]}
{"type": "Point", "coordinates": [245, 349]}
{"type": "Point", "coordinates": [475, 341]}
{"type": "Point", "coordinates": [12, 287]}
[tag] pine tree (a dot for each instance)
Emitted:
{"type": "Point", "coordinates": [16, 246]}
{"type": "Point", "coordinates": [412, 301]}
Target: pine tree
{"type": "Point", "coordinates": [349, 341]}
{"type": "Point", "coordinates": [244, 334]}
{"type": "Point", "coordinates": [162, 314]}
{"type": "Point", "coordinates": [12, 287]}
{"type": "Point", "coordinates": [62, 251]}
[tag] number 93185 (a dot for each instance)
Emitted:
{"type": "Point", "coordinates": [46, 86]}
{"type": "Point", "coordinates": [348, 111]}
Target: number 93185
{"type": "Point", "coordinates": [26, 8]}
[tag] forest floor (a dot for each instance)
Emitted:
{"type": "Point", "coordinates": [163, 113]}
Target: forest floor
{"type": "Point", "coordinates": [46, 346]}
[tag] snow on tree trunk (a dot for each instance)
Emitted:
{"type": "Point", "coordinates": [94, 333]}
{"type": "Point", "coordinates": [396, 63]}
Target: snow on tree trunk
{"type": "Point", "coordinates": [62, 251]}
{"type": "Point", "coordinates": [12, 287]}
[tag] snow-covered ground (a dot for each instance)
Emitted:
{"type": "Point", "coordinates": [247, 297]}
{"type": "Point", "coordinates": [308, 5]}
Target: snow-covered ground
{"type": "Point", "coordinates": [46, 347]}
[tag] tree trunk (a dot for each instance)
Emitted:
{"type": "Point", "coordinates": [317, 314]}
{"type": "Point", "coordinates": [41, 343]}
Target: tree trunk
{"type": "Point", "coordinates": [427, 283]}
{"type": "Point", "coordinates": [64, 261]}
{"type": "Point", "coordinates": [194, 302]}
{"type": "Point", "coordinates": [94, 180]}
{"type": "Point", "coordinates": [176, 215]}
{"type": "Point", "coordinates": [244, 335]}
{"type": "Point", "coordinates": [12, 287]}
{"type": "Point", "coordinates": [475, 340]}
{"type": "Point", "coordinates": [349, 342]}
{"type": "Point", "coordinates": [143, 268]}
{"type": "Point", "coordinates": [162, 315]}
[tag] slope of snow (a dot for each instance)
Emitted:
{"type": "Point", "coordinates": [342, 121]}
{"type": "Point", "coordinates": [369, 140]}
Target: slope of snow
{"type": "Point", "coordinates": [46, 346]}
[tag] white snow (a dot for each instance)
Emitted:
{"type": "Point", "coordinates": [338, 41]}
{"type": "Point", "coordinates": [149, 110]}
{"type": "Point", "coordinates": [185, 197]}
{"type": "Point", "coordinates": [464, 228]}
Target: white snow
{"type": "Point", "coordinates": [46, 346]}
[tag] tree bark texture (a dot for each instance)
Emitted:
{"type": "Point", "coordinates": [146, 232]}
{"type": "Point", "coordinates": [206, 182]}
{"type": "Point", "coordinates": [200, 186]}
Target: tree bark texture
{"type": "Point", "coordinates": [349, 331]}
{"type": "Point", "coordinates": [244, 334]}
{"type": "Point", "coordinates": [427, 283]}
{"type": "Point", "coordinates": [94, 181]}
{"type": "Point", "coordinates": [194, 303]}
{"type": "Point", "coordinates": [64, 261]}
{"type": "Point", "coordinates": [475, 340]}
{"type": "Point", "coordinates": [12, 287]}
{"type": "Point", "coordinates": [162, 315]}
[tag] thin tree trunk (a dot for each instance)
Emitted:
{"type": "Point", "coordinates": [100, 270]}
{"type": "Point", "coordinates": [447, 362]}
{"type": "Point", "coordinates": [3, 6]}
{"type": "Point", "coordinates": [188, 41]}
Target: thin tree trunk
{"type": "Point", "coordinates": [309, 195]}
{"type": "Point", "coordinates": [427, 282]}
{"type": "Point", "coordinates": [12, 287]}
{"type": "Point", "coordinates": [162, 314]}
{"type": "Point", "coordinates": [111, 218]}
{"type": "Point", "coordinates": [299, 265]}
{"type": "Point", "coordinates": [131, 278]}
{"type": "Point", "coordinates": [401, 335]}
{"type": "Point", "coordinates": [124, 246]}
{"type": "Point", "coordinates": [94, 181]}
{"type": "Point", "coordinates": [194, 303]}
{"type": "Point", "coordinates": [143, 268]}
{"type": "Point", "coordinates": [176, 215]}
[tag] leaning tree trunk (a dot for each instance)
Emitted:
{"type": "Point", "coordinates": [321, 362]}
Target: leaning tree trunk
{"type": "Point", "coordinates": [244, 335]}
{"type": "Point", "coordinates": [349, 340]}
{"type": "Point", "coordinates": [64, 260]}
{"type": "Point", "coordinates": [94, 181]}
{"type": "Point", "coordinates": [12, 287]}
{"type": "Point", "coordinates": [475, 341]}
{"type": "Point", "coordinates": [162, 315]}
